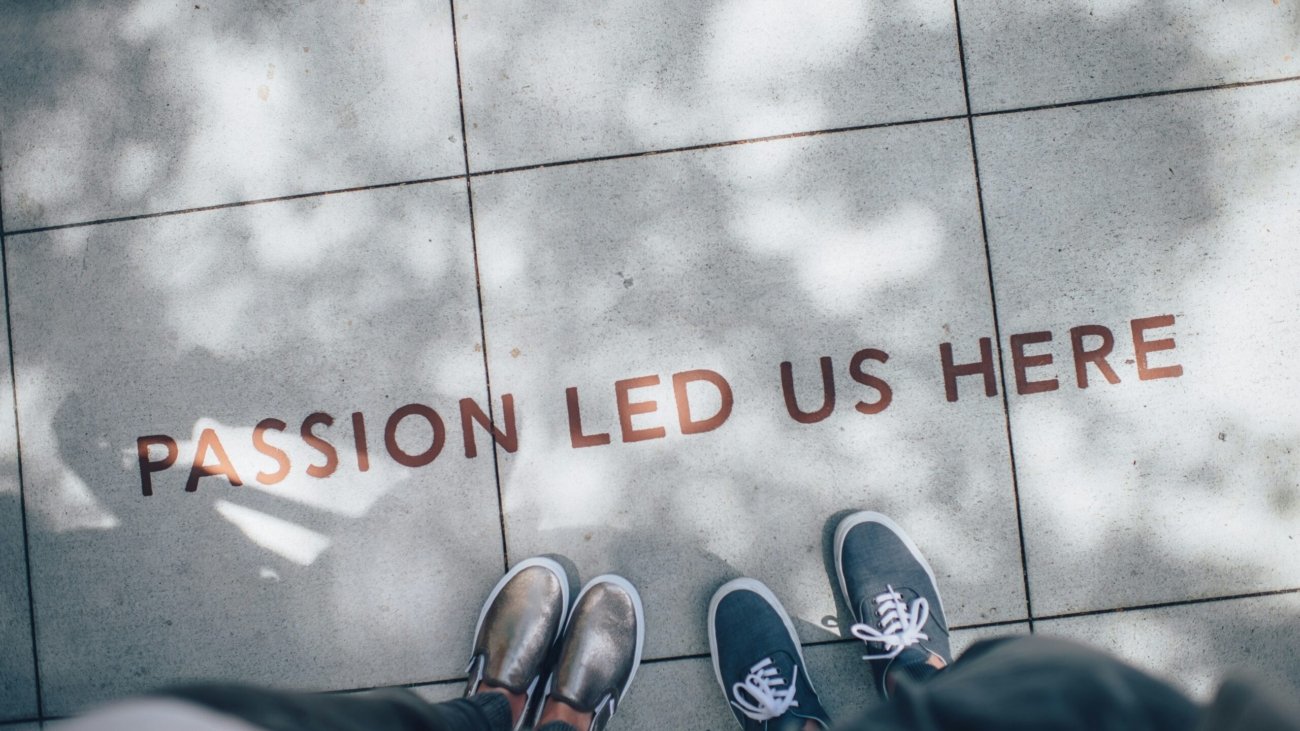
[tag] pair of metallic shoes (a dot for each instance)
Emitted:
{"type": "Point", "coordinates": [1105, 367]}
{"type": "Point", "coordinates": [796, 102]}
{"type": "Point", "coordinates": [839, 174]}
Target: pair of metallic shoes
{"type": "Point", "coordinates": [526, 630]}
{"type": "Point", "coordinates": [889, 588]}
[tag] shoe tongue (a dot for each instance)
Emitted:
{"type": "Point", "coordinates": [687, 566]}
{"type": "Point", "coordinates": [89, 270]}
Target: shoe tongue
{"type": "Point", "coordinates": [784, 663]}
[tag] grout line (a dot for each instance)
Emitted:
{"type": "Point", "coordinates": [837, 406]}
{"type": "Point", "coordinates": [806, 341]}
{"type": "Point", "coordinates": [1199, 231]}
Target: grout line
{"type": "Point", "coordinates": [478, 289]}
{"type": "Point", "coordinates": [1166, 605]}
{"type": "Point", "coordinates": [689, 656]}
{"type": "Point", "coordinates": [851, 640]}
{"type": "Point", "coordinates": [235, 204]}
{"type": "Point", "coordinates": [843, 640]}
{"type": "Point", "coordinates": [997, 328]}
{"type": "Point", "coordinates": [1139, 95]}
{"type": "Point", "coordinates": [18, 460]}
{"type": "Point", "coordinates": [651, 153]}
{"type": "Point", "coordinates": [713, 145]}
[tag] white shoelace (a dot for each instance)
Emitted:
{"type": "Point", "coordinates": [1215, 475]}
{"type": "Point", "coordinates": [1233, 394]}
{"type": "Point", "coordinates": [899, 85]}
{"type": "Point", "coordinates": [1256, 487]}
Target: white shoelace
{"type": "Point", "coordinates": [900, 625]}
{"type": "Point", "coordinates": [761, 696]}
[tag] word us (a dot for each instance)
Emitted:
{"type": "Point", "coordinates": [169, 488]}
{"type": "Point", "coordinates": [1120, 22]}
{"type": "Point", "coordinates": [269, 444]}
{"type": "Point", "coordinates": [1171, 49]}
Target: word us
{"type": "Point", "coordinates": [1090, 352]}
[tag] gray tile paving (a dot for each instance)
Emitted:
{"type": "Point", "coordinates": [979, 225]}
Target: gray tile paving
{"type": "Point", "coordinates": [735, 260]}
{"type": "Point", "coordinates": [20, 727]}
{"type": "Point", "coordinates": [732, 260]}
{"type": "Point", "coordinates": [17, 674]}
{"type": "Point", "coordinates": [113, 111]}
{"type": "Point", "coordinates": [1194, 646]}
{"type": "Point", "coordinates": [685, 693]}
{"type": "Point", "coordinates": [355, 303]}
{"type": "Point", "coordinates": [552, 82]}
{"type": "Point", "coordinates": [1023, 54]}
{"type": "Point", "coordinates": [1183, 485]}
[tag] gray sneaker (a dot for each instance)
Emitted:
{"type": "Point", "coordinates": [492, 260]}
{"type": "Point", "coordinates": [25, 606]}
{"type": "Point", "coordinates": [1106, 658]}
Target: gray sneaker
{"type": "Point", "coordinates": [517, 629]}
{"type": "Point", "coordinates": [601, 649]}
{"type": "Point", "coordinates": [758, 660]}
{"type": "Point", "coordinates": [891, 591]}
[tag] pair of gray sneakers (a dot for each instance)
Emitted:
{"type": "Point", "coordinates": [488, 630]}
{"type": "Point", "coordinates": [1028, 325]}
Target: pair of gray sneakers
{"type": "Point", "coordinates": [891, 592]}
{"type": "Point", "coordinates": [527, 632]}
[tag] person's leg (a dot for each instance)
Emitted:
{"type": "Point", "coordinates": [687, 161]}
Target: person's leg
{"type": "Point", "coordinates": [1038, 683]}
{"type": "Point", "coordinates": [1011, 683]}
{"type": "Point", "coordinates": [517, 629]}
{"type": "Point", "coordinates": [891, 591]}
{"type": "Point", "coordinates": [598, 657]}
{"type": "Point", "coordinates": [759, 662]}
{"type": "Point", "coordinates": [392, 709]}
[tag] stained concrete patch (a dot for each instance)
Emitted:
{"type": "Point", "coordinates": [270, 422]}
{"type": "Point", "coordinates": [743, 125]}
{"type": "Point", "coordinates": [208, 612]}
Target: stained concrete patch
{"type": "Point", "coordinates": [1024, 54]}
{"type": "Point", "coordinates": [114, 111]}
{"type": "Point", "coordinates": [334, 565]}
{"type": "Point", "coordinates": [1171, 223]}
{"type": "Point", "coordinates": [552, 82]}
{"type": "Point", "coordinates": [743, 258]}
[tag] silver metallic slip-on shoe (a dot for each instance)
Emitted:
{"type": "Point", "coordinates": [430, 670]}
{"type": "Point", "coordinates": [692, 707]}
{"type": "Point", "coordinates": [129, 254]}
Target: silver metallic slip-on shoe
{"type": "Point", "coordinates": [517, 628]}
{"type": "Point", "coordinates": [601, 649]}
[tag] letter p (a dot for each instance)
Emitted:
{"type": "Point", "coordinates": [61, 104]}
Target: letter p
{"type": "Point", "coordinates": [148, 466]}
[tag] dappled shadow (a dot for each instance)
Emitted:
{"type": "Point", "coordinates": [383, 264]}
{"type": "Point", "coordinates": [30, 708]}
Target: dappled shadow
{"type": "Point", "coordinates": [167, 105]}
{"type": "Point", "coordinates": [1027, 54]}
{"type": "Point", "coordinates": [732, 259]}
{"type": "Point", "coordinates": [739, 259]}
{"type": "Point", "coordinates": [174, 325]}
{"type": "Point", "coordinates": [550, 83]}
{"type": "Point", "coordinates": [1174, 488]}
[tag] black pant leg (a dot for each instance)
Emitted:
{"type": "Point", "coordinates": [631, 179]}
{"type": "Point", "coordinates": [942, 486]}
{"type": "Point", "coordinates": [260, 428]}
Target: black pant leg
{"type": "Point", "coordinates": [393, 709]}
{"type": "Point", "coordinates": [1033, 684]}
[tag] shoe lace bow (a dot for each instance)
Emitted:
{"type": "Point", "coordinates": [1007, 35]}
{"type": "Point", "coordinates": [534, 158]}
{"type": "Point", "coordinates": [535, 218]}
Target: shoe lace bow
{"type": "Point", "coordinates": [900, 624]}
{"type": "Point", "coordinates": [764, 694]}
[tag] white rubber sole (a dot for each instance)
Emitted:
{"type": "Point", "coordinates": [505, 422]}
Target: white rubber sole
{"type": "Point", "coordinates": [867, 516]}
{"type": "Point", "coordinates": [748, 584]}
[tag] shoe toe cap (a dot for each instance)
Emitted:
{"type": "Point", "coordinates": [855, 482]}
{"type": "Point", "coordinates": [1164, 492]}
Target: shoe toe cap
{"type": "Point", "coordinates": [520, 627]}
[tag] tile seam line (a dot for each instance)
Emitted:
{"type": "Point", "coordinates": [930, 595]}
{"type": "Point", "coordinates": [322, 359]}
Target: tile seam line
{"type": "Point", "coordinates": [884, 125]}
{"type": "Point", "coordinates": [714, 145]}
{"type": "Point", "coordinates": [18, 458]}
{"type": "Point", "coordinates": [672, 658]}
{"type": "Point", "coordinates": [1138, 95]}
{"type": "Point", "coordinates": [1168, 604]}
{"type": "Point", "coordinates": [850, 640]}
{"type": "Point", "coordinates": [480, 173]}
{"type": "Point", "coordinates": [651, 153]}
{"type": "Point", "coordinates": [478, 292]}
{"type": "Point", "coordinates": [954, 628]}
{"type": "Point", "coordinates": [232, 204]}
{"type": "Point", "coordinates": [997, 326]}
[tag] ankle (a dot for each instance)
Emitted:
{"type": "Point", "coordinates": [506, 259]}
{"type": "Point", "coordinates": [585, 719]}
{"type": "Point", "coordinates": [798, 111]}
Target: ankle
{"type": "Point", "coordinates": [517, 701]}
{"type": "Point", "coordinates": [915, 669]}
{"type": "Point", "coordinates": [557, 710]}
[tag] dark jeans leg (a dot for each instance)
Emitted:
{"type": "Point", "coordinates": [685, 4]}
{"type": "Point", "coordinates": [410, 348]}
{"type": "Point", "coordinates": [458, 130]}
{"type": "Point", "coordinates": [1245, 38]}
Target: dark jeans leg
{"type": "Point", "coordinates": [1033, 683]}
{"type": "Point", "coordinates": [393, 709]}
